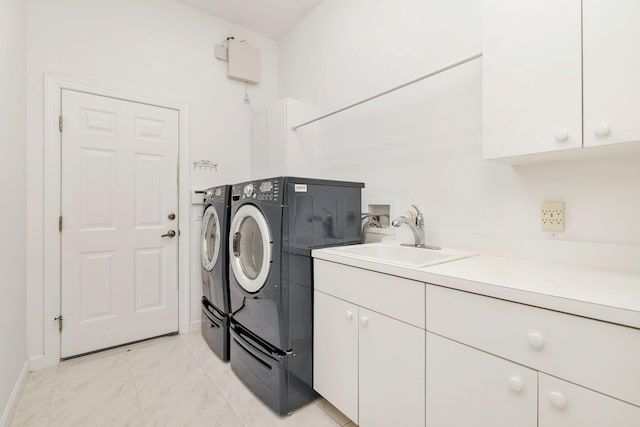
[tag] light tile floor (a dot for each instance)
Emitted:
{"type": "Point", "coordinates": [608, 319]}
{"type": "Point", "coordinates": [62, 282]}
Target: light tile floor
{"type": "Point", "coordinates": [170, 381]}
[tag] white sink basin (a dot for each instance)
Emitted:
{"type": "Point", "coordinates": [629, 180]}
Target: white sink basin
{"type": "Point", "coordinates": [408, 256]}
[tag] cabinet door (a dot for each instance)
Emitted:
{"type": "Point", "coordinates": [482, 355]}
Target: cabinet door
{"type": "Point", "coordinates": [611, 70]}
{"type": "Point", "coordinates": [335, 352]}
{"type": "Point", "coordinates": [467, 387]}
{"type": "Point", "coordinates": [532, 76]}
{"type": "Point", "coordinates": [563, 404]}
{"type": "Point", "coordinates": [391, 371]}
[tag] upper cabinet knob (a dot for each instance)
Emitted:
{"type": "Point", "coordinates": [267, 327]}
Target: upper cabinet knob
{"type": "Point", "coordinates": [349, 314]}
{"type": "Point", "coordinates": [602, 129]}
{"type": "Point", "coordinates": [562, 135]}
{"type": "Point", "coordinates": [558, 400]}
{"type": "Point", "coordinates": [516, 384]}
{"type": "Point", "coordinates": [536, 340]}
{"type": "Point", "coordinates": [363, 321]}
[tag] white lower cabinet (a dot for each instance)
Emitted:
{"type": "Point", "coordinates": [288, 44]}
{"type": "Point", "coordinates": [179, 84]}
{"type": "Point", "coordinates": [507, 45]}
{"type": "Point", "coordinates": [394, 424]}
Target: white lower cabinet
{"type": "Point", "coordinates": [368, 365]}
{"type": "Point", "coordinates": [563, 404]}
{"type": "Point", "coordinates": [468, 387]}
{"type": "Point", "coordinates": [335, 352]}
{"type": "Point", "coordinates": [458, 359]}
{"type": "Point", "coordinates": [391, 364]}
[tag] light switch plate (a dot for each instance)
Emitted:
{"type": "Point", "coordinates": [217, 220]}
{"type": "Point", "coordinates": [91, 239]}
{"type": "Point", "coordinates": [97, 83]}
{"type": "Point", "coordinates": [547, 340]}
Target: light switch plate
{"type": "Point", "coordinates": [552, 216]}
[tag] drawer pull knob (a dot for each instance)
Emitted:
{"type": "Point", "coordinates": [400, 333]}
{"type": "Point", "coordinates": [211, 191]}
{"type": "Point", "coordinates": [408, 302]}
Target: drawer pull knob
{"type": "Point", "coordinates": [562, 135]}
{"type": "Point", "coordinates": [349, 314]}
{"type": "Point", "coordinates": [516, 384]}
{"type": "Point", "coordinates": [557, 400]}
{"type": "Point", "coordinates": [536, 340]}
{"type": "Point", "coordinates": [363, 321]}
{"type": "Point", "coordinates": [602, 129]}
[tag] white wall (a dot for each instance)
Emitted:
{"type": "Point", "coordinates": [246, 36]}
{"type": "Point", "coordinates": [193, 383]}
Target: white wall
{"type": "Point", "coordinates": [422, 145]}
{"type": "Point", "coordinates": [13, 190]}
{"type": "Point", "coordinates": [160, 49]}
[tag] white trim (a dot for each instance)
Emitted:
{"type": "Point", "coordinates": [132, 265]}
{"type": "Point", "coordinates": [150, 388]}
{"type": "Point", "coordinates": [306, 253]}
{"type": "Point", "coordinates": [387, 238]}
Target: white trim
{"type": "Point", "coordinates": [14, 398]}
{"type": "Point", "coordinates": [247, 283]}
{"type": "Point", "coordinates": [53, 86]}
{"type": "Point", "coordinates": [196, 325]}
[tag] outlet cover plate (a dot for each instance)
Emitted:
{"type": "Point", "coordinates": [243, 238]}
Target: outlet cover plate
{"type": "Point", "coordinates": [552, 216]}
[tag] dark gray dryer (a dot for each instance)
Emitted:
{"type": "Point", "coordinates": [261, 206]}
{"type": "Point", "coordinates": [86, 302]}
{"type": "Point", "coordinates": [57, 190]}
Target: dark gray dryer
{"type": "Point", "coordinates": [275, 224]}
{"type": "Point", "coordinates": [215, 269]}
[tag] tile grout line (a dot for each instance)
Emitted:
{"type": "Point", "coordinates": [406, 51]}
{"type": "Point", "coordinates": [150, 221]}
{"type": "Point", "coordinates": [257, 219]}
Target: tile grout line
{"type": "Point", "coordinates": [217, 388]}
{"type": "Point", "coordinates": [135, 383]}
{"type": "Point", "coordinates": [53, 394]}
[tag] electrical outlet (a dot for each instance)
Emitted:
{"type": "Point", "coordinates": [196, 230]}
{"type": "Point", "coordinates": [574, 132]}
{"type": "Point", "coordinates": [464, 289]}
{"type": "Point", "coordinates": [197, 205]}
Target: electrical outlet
{"type": "Point", "coordinates": [552, 216]}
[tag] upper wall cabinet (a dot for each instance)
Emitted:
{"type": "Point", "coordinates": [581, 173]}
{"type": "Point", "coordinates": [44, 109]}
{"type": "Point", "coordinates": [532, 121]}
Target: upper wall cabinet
{"type": "Point", "coordinates": [555, 70]}
{"type": "Point", "coordinates": [611, 39]}
{"type": "Point", "coordinates": [532, 94]}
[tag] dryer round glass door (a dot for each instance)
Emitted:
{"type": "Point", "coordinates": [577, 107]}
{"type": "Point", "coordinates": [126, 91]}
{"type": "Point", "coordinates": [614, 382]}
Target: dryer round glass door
{"type": "Point", "coordinates": [210, 238]}
{"type": "Point", "coordinates": [250, 247]}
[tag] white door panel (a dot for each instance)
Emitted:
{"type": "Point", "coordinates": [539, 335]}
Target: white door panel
{"type": "Point", "coordinates": [119, 184]}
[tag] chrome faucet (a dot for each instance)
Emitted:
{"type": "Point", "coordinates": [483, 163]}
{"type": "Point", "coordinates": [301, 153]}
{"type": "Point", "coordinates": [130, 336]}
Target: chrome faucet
{"type": "Point", "coordinates": [417, 227]}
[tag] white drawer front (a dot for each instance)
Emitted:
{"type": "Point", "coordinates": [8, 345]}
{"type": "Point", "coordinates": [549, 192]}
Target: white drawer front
{"type": "Point", "coordinates": [595, 354]}
{"type": "Point", "coordinates": [563, 404]}
{"type": "Point", "coordinates": [393, 296]}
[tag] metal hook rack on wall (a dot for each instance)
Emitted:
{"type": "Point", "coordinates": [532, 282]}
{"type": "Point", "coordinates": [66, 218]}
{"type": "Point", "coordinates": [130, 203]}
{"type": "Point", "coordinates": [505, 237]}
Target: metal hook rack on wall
{"type": "Point", "coordinates": [205, 164]}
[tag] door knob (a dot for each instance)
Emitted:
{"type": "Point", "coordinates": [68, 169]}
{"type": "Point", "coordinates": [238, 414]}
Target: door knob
{"type": "Point", "coordinates": [170, 233]}
{"type": "Point", "coordinates": [171, 216]}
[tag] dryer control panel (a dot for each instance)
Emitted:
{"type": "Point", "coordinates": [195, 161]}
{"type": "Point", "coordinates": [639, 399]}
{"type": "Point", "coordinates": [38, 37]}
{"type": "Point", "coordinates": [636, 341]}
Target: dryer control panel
{"type": "Point", "coordinates": [260, 191]}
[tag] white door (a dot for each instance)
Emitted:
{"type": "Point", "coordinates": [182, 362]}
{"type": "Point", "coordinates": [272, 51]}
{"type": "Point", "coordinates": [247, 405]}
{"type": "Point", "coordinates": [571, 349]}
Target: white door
{"type": "Point", "coordinates": [611, 68]}
{"type": "Point", "coordinates": [468, 387]}
{"type": "Point", "coordinates": [563, 404]}
{"type": "Point", "coordinates": [335, 352]}
{"type": "Point", "coordinates": [391, 371]}
{"type": "Point", "coordinates": [531, 76]}
{"type": "Point", "coordinates": [119, 191]}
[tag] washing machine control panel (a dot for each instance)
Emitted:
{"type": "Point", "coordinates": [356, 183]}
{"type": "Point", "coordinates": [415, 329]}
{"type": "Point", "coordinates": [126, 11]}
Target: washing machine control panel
{"type": "Point", "coordinates": [249, 190]}
{"type": "Point", "coordinates": [261, 191]}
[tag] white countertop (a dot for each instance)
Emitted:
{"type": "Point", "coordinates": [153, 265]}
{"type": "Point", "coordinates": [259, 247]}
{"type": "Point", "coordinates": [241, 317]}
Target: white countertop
{"type": "Point", "coordinates": [603, 294]}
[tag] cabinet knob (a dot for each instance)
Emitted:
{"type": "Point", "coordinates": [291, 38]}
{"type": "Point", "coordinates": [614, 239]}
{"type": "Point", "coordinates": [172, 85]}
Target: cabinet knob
{"type": "Point", "coordinates": [557, 400]}
{"type": "Point", "coordinates": [602, 129]}
{"type": "Point", "coordinates": [562, 135]}
{"type": "Point", "coordinates": [516, 384]}
{"type": "Point", "coordinates": [349, 314]}
{"type": "Point", "coordinates": [536, 340]}
{"type": "Point", "coordinates": [363, 321]}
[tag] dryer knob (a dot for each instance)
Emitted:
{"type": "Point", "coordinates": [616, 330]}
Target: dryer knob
{"type": "Point", "coordinates": [248, 190]}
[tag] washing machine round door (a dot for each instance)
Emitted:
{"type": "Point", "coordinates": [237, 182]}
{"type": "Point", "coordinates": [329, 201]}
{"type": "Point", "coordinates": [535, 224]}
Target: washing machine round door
{"type": "Point", "coordinates": [250, 247]}
{"type": "Point", "coordinates": [211, 237]}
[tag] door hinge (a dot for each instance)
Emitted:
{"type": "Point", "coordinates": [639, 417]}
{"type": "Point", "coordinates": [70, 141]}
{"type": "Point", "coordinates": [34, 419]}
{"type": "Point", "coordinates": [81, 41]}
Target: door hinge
{"type": "Point", "coordinates": [60, 223]}
{"type": "Point", "coordinates": [59, 319]}
{"type": "Point", "coordinates": [60, 123]}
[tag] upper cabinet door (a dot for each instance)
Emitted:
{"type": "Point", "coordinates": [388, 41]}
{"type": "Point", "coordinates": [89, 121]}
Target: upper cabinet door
{"type": "Point", "coordinates": [611, 71]}
{"type": "Point", "coordinates": [532, 90]}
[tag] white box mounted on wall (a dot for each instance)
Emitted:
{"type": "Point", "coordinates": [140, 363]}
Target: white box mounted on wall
{"type": "Point", "coordinates": [243, 62]}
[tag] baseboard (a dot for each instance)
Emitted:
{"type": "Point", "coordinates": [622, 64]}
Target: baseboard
{"type": "Point", "coordinates": [194, 326]}
{"type": "Point", "coordinates": [12, 404]}
{"type": "Point", "coordinates": [40, 362]}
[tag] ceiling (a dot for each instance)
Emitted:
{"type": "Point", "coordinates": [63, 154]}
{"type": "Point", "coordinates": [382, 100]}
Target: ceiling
{"type": "Point", "coordinates": [271, 18]}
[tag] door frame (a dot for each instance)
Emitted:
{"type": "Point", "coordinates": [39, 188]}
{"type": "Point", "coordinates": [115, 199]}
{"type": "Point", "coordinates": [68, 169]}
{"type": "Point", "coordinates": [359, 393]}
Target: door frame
{"type": "Point", "coordinates": [53, 86]}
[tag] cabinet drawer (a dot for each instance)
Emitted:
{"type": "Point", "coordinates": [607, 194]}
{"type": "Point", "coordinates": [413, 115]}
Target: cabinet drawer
{"type": "Point", "coordinates": [563, 404]}
{"type": "Point", "coordinates": [595, 354]}
{"type": "Point", "coordinates": [393, 296]}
